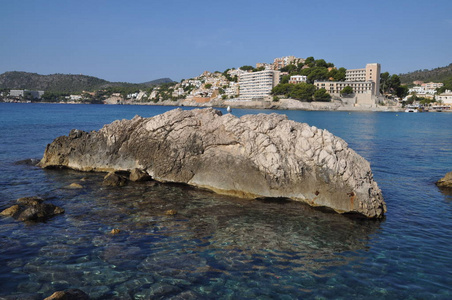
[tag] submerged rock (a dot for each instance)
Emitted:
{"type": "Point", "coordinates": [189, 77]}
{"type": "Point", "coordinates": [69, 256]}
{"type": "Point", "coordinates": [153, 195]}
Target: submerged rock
{"type": "Point", "coordinates": [32, 209]}
{"type": "Point", "coordinates": [75, 185]}
{"type": "Point", "coordinates": [446, 181]}
{"type": "Point", "coordinates": [253, 156]}
{"type": "Point", "coordinates": [70, 294]}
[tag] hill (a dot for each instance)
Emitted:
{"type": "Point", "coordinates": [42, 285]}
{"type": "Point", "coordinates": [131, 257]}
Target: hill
{"type": "Point", "coordinates": [66, 83]}
{"type": "Point", "coordinates": [436, 75]}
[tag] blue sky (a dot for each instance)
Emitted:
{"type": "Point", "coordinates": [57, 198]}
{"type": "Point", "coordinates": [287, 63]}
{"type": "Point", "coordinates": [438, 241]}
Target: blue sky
{"type": "Point", "coordinates": [138, 41]}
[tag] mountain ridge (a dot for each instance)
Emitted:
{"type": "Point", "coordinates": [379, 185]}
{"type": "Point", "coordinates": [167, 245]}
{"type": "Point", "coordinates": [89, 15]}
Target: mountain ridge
{"type": "Point", "coordinates": [69, 83]}
{"type": "Point", "coordinates": [439, 74]}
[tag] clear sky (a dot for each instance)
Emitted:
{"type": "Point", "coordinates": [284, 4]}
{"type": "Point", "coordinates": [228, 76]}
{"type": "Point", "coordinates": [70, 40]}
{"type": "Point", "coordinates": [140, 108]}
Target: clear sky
{"type": "Point", "coordinates": [138, 41]}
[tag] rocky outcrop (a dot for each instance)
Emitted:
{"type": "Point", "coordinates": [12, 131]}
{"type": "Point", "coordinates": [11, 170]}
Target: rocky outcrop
{"type": "Point", "coordinates": [446, 181]}
{"type": "Point", "coordinates": [32, 209]}
{"type": "Point", "coordinates": [252, 156]}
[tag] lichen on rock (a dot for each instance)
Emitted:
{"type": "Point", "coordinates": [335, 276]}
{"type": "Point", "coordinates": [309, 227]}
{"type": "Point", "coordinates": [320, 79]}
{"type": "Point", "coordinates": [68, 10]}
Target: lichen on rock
{"type": "Point", "coordinates": [264, 155]}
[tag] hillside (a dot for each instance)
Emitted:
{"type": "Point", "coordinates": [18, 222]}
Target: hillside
{"type": "Point", "coordinates": [436, 75]}
{"type": "Point", "coordinates": [67, 83]}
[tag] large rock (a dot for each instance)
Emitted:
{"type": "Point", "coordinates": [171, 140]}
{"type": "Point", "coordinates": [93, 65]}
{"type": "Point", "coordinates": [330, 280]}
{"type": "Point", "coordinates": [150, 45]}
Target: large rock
{"type": "Point", "coordinates": [446, 181]}
{"type": "Point", "coordinates": [252, 156]}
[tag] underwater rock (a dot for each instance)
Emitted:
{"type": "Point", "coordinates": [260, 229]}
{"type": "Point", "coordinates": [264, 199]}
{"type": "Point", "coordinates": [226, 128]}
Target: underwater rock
{"type": "Point", "coordinates": [255, 156]}
{"type": "Point", "coordinates": [32, 209]}
{"type": "Point", "coordinates": [115, 231]}
{"type": "Point", "coordinates": [75, 186]}
{"type": "Point", "coordinates": [70, 294]}
{"type": "Point", "coordinates": [171, 212]}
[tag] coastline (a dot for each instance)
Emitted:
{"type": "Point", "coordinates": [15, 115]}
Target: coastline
{"type": "Point", "coordinates": [282, 104]}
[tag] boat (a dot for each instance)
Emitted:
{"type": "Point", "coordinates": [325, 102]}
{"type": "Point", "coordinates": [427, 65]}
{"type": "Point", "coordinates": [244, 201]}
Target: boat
{"type": "Point", "coordinates": [228, 109]}
{"type": "Point", "coordinates": [411, 108]}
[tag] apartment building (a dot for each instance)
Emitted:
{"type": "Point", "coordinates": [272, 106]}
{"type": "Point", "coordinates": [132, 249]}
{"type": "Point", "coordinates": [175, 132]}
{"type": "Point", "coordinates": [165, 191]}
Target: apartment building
{"type": "Point", "coordinates": [257, 85]}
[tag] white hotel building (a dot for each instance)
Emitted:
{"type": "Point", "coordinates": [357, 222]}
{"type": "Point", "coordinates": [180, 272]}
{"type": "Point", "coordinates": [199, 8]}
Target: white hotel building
{"type": "Point", "coordinates": [257, 85]}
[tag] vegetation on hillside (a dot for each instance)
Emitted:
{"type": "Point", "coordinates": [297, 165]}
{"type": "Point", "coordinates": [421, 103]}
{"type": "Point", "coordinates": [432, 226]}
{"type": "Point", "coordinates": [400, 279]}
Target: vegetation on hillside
{"type": "Point", "coordinates": [391, 85]}
{"type": "Point", "coordinates": [313, 69]}
{"type": "Point", "coordinates": [440, 74]}
{"type": "Point", "coordinates": [65, 83]}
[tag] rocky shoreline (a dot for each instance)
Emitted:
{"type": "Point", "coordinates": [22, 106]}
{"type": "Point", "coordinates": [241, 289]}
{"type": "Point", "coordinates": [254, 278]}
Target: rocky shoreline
{"type": "Point", "coordinates": [282, 104]}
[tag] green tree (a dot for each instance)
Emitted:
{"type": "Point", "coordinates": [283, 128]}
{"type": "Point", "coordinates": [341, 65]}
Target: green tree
{"type": "Point", "coordinates": [321, 63]}
{"type": "Point", "coordinates": [402, 91]}
{"type": "Point", "coordinates": [284, 79]}
{"type": "Point", "coordinates": [317, 73]}
{"type": "Point", "coordinates": [283, 89]}
{"type": "Point", "coordinates": [340, 74]}
{"type": "Point", "coordinates": [309, 61]}
{"type": "Point", "coordinates": [247, 68]}
{"type": "Point", "coordinates": [208, 86]}
{"type": "Point", "coordinates": [322, 95]}
{"type": "Point", "coordinates": [302, 91]}
{"type": "Point", "coordinates": [348, 90]}
{"type": "Point", "coordinates": [289, 68]}
{"type": "Point", "coordinates": [384, 82]}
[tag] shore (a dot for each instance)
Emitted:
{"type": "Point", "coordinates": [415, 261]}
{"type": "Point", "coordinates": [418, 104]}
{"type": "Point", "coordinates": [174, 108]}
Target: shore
{"type": "Point", "coordinates": [282, 104]}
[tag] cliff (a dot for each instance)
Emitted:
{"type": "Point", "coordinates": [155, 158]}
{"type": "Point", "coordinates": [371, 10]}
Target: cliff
{"type": "Point", "coordinates": [252, 156]}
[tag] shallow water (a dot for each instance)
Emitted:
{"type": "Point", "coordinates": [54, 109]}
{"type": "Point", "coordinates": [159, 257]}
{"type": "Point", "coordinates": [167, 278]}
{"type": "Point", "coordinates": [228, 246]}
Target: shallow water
{"type": "Point", "coordinates": [220, 247]}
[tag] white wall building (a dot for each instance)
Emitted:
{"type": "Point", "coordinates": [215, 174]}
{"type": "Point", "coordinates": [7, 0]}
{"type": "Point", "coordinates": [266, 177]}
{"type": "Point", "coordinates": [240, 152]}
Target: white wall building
{"type": "Point", "coordinates": [445, 97]}
{"type": "Point", "coordinates": [257, 85]}
{"type": "Point", "coordinates": [298, 79]}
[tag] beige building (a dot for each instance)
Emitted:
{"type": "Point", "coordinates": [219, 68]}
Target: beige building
{"type": "Point", "coordinates": [335, 87]}
{"type": "Point", "coordinates": [364, 82]}
{"type": "Point", "coordinates": [284, 61]}
{"type": "Point", "coordinates": [257, 85]}
{"type": "Point", "coordinates": [371, 73]}
{"type": "Point", "coordinates": [432, 85]}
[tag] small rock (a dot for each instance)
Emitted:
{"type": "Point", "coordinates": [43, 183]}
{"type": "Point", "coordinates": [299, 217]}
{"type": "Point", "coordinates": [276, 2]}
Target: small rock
{"type": "Point", "coordinates": [75, 186]}
{"type": "Point", "coordinates": [70, 294]}
{"type": "Point", "coordinates": [32, 209]}
{"type": "Point", "coordinates": [115, 231]}
{"type": "Point", "coordinates": [171, 212]}
{"type": "Point", "coordinates": [11, 211]}
{"type": "Point", "coordinates": [113, 179]}
{"type": "Point", "coordinates": [30, 200]}
{"type": "Point", "coordinates": [138, 175]}
{"type": "Point", "coordinates": [446, 181]}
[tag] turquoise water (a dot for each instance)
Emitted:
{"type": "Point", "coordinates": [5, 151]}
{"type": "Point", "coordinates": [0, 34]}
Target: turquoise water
{"type": "Point", "coordinates": [220, 247]}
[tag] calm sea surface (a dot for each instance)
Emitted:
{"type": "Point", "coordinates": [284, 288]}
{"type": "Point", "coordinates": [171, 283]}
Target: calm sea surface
{"type": "Point", "coordinates": [220, 247]}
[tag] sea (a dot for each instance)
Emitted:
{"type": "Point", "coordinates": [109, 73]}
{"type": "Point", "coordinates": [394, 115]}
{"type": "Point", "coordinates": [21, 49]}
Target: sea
{"type": "Point", "coordinates": [222, 247]}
